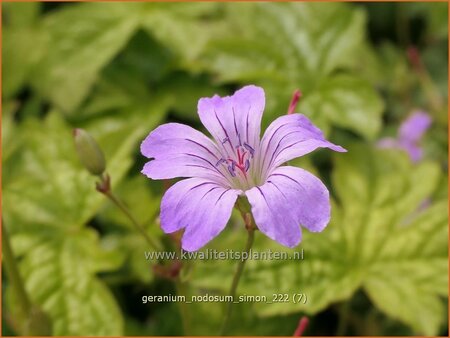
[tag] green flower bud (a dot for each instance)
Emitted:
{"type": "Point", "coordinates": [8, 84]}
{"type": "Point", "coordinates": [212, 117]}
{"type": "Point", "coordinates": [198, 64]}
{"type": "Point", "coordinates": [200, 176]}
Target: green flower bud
{"type": "Point", "coordinates": [89, 152]}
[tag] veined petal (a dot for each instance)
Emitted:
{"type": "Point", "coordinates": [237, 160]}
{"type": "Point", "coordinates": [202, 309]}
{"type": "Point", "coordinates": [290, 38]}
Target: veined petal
{"type": "Point", "coordinates": [234, 120]}
{"type": "Point", "coordinates": [180, 151]}
{"type": "Point", "coordinates": [413, 128]}
{"type": "Point", "coordinates": [288, 137]}
{"type": "Point", "coordinates": [290, 197]}
{"type": "Point", "coordinates": [201, 206]}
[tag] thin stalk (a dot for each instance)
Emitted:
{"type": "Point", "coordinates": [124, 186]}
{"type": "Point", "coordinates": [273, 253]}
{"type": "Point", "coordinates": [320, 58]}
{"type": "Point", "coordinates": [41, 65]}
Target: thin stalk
{"type": "Point", "coordinates": [236, 278]}
{"type": "Point", "coordinates": [343, 318]}
{"type": "Point", "coordinates": [15, 279]}
{"type": "Point", "coordinates": [133, 220]}
{"type": "Point", "coordinates": [184, 312]}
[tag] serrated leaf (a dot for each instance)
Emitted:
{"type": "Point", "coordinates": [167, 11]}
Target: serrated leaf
{"type": "Point", "coordinates": [59, 275]}
{"type": "Point", "coordinates": [22, 49]}
{"type": "Point", "coordinates": [22, 44]}
{"type": "Point", "coordinates": [49, 196]}
{"type": "Point", "coordinates": [182, 27]}
{"type": "Point", "coordinates": [77, 52]}
{"type": "Point", "coordinates": [346, 101]}
{"type": "Point", "coordinates": [50, 188]}
{"type": "Point", "coordinates": [407, 289]}
{"type": "Point", "coordinates": [377, 240]}
{"type": "Point", "coordinates": [304, 44]}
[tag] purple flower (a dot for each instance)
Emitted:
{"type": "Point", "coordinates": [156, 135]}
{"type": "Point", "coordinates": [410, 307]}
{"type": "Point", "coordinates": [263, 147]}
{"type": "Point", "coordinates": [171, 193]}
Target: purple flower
{"type": "Point", "coordinates": [409, 135]}
{"type": "Point", "coordinates": [236, 163]}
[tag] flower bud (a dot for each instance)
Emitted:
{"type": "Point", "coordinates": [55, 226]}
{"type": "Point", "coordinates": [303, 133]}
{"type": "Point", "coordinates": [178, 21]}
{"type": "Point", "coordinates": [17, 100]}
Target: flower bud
{"type": "Point", "coordinates": [89, 152]}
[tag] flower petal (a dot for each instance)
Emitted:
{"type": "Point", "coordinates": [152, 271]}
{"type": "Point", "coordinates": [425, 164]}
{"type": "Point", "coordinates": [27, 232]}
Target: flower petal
{"type": "Point", "coordinates": [234, 120]}
{"type": "Point", "coordinates": [201, 206]}
{"type": "Point", "coordinates": [414, 151]}
{"type": "Point", "coordinates": [413, 128]}
{"type": "Point", "coordinates": [180, 151]}
{"type": "Point", "coordinates": [388, 143]}
{"type": "Point", "coordinates": [291, 197]}
{"type": "Point", "coordinates": [288, 137]}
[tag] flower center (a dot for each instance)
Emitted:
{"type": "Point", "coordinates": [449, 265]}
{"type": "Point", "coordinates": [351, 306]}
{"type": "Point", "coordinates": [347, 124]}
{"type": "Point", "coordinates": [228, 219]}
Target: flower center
{"type": "Point", "coordinates": [238, 164]}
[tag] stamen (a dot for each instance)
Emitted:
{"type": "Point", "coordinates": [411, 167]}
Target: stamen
{"type": "Point", "coordinates": [250, 149]}
{"type": "Point", "coordinates": [219, 162]}
{"type": "Point", "coordinates": [240, 161]}
{"type": "Point", "coordinates": [231, 169]}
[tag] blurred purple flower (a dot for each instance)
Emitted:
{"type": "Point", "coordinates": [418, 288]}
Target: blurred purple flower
{"type": "Point", "coordinates": [238, 162]}
{"type": "Point", "coordinates": [409, 135]}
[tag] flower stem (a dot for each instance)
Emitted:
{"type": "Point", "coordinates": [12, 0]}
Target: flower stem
{"type": "Point", "coordinates": [237, 275]}
{"type": "Point", "coordinates": [343, 318]}
{"type": "Point", "coordinates": [184, 312]}
{"type": "Point", "coordinates": [301, 327]}
{"type": "Point", "coordinates": [133, 220]}
{"type": "Point", "coordinates": [104, 187]}
{"type": "Point", "coordinates": [15, 279]}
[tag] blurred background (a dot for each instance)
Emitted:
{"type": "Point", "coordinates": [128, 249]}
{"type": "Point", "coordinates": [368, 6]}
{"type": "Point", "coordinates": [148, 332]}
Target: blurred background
{"type": "Point", "coordinates": [119, 70]}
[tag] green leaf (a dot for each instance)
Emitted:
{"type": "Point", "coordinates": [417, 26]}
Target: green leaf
{"type": "Point", "coordinates": [60, 276]}
{"type": "Point", "coordinates": [184, 28]}
{"type": "Point", "coordinates": [46, 186]}
{"type": "Point", "coordinates": [379, 240]}
{"type": "Point", "coordinates": [22, 14]}
{"type": "Point", "coordinates": [185, 91]}
{"type": "Point", "coordinates": [435, 15]}
{"type": "Point", "coordinates": [76, 52]}
{"type": "Point", "coordinates": [49, 188]}
{"type": "Point", "coordinates": [22, 49]}
{"type": "Point", "coordinates": [302, 47]}
{"type": "Point", "coordinates": [10, 131]}
{"type": "Point", "coordinates": [346, 101]}
{"type": "Point", "coordinates": [411, 274]}
{"type": "Point", "coordinates": [22, 45]}
{"type": "Point", "coordinates": [48, 197]}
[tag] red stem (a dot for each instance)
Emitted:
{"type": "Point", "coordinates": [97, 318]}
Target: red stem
{"type": "Point", "coordinates": [302, 325]}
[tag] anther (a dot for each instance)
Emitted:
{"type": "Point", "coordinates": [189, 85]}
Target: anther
{"type": "Point", "coordinates": [231, 169]}
{"type": "Point", "coordinates": [247, 165]}
{"type": "Point", "coordinates": [249, 148]}
{"type": "Point", "coordinates": [219, 162]}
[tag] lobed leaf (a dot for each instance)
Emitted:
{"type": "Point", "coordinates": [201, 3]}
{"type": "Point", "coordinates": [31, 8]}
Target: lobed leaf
{"type": "Point", "coordinates": [303, 47]}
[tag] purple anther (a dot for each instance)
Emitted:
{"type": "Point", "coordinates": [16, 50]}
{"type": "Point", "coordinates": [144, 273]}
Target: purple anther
{"type": "Point", "coordinates": [219, 162]}
{"type": "Point", "coordinates": [231, 169]}
{"type": "Point", "coordinates": [247, 165]}
{"type": "Point", "coordinates": [250, 149]}
{"type": "Point", "coordinates": [233, 165]}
